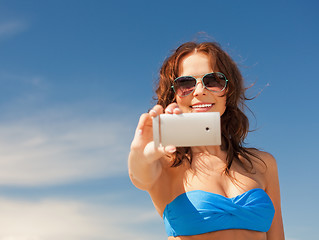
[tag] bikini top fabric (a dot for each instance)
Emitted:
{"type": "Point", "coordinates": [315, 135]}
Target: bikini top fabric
{"type": "Point", "coordinates": [196, 212]}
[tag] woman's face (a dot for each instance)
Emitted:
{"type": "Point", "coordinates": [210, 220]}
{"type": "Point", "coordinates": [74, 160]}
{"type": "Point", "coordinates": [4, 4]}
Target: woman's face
{"type": "Point", "coordinates": [201, 99]}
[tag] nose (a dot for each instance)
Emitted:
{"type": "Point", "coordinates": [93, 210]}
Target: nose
{"type": "Point", "coordinates": [199, 88]}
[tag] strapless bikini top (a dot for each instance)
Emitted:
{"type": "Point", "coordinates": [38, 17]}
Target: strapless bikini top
{"type": "Point", "coordinates": [196, 212]}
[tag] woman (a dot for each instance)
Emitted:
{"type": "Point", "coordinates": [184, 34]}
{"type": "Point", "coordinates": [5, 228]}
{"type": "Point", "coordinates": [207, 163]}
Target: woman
{"type": "Point", "coordinates": [207, 192]}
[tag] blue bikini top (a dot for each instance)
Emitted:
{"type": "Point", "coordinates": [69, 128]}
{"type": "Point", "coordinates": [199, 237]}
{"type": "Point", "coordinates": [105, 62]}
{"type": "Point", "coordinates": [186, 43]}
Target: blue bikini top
{"type": "Point", "coordinates": [196, 212]}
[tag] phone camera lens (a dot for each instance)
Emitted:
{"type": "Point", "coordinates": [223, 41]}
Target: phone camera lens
{"type": "Point", "coordinates": [207, 129]}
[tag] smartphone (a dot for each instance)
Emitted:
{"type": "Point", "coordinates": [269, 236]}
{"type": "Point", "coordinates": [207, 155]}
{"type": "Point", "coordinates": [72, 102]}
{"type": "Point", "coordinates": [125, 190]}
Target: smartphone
{"type": "Point", "coordinates": [187, 129]}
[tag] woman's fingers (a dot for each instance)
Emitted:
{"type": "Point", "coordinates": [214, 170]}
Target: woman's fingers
{"type": "Point", "coordinates": [144, 132]}
{"type": "Point", "coordinates": [170, 149]}
{"type": "Point", "coordinates": [143, 140]}
{"type": "Point", "coordinates": [173, 108]}
{"type": "Point", "coordinates": [146, 120]}
{"type": "Point", "coordinates": [170, 109]}
{"type": "Point", "coordinates": [156, 110]}
{"type": "Point", "coordinates": [141, 123]}
{"type": "Point", "coordinates": [177, 111]}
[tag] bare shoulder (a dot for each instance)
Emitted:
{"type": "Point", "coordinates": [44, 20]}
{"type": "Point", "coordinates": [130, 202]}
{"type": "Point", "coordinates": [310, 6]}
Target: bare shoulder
{"type": "Point", "coordinates": [263, 158]}
{"type": "Point", "coordinates": [267, 157]}
{"type": "Point", "coordinates": [266, 164]}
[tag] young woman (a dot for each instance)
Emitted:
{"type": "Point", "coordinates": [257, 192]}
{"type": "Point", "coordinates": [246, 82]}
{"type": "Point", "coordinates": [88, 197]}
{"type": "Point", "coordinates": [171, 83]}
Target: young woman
{"type": "Point", "coordinates": [207, 192]}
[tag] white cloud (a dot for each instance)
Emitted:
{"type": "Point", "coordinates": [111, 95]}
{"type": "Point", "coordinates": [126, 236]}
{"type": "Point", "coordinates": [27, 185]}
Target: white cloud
{"type": "Point", "coordinates": [13, 27]}
{"type": "Point", "coordinates": [53, 219]}
{"type": "Point", "coordinates": [56, 147]}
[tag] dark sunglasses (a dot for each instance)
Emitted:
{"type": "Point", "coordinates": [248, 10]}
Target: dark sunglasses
{"type": "Point", "coordinates": [214, 82]}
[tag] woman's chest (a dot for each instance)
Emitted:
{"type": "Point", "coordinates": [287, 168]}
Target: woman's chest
{"type": "Point", "coordinates": [208, 176]}
{"type": "Point", "coordinates": [215, 180]}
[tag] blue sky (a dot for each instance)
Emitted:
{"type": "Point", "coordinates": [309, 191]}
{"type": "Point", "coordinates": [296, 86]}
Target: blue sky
{"type": "Point", "coordinates": [76, 75]}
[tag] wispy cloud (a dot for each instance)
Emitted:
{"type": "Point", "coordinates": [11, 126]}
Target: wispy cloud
{"type": "Point", "coordinates": [56, 147]}
{"type": "Point", "coordinates": [52, 219]}
{"type": "Point", "coordinates": [11, 28]}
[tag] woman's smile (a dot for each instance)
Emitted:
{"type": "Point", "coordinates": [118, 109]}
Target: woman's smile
{"type": "Point", "coordinates": [201, 107]}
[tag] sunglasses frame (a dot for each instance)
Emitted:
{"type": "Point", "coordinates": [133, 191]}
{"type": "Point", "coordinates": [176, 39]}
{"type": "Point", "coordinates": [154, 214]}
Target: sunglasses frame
{"type": "Point", "coordinates": [201, 79]}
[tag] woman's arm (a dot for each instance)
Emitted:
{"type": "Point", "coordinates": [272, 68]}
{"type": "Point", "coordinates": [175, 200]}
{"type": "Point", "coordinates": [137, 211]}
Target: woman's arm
{"type": "Point", "coordinates": [276, 231]}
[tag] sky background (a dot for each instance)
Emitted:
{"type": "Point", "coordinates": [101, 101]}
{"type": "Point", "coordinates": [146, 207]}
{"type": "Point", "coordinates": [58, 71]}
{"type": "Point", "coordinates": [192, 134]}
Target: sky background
{"type": "Point", "coordinates": [76, 75]}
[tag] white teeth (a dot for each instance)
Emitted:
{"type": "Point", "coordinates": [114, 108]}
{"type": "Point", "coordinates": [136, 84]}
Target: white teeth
{"type": "Point", "coordinates": [202, 106]}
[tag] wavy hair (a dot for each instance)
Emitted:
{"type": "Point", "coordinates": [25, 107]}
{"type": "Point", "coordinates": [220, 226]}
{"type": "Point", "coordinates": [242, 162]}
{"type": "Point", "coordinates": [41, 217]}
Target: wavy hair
{"type": "Point", "coordinates": [234, 123]}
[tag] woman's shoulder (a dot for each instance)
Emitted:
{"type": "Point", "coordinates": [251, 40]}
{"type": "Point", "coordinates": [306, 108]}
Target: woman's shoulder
{"type": "Point", "coordinates": [267, 158]}
{"type": "Point", "coordinates": [264, 162]}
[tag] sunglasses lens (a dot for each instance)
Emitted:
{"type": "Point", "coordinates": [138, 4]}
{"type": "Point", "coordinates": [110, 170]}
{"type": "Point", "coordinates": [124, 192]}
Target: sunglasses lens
{"type": "Point", "coordinates": [184, 85]}
{"type": "Point", "coordinates": [215, 82]}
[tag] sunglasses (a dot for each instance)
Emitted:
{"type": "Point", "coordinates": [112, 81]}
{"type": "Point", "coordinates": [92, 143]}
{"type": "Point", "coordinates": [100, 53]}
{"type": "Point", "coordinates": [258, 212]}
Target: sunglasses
{"type": "Point", "coordinates": [215, 82]}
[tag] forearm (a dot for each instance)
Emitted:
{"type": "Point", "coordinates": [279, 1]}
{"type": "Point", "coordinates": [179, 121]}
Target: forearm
{"type": "Point", "coordinates": [143, 172]}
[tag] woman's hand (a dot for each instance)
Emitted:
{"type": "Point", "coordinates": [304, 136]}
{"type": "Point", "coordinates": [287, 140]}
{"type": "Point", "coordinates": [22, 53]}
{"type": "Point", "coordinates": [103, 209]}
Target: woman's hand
{"type": "Point", "coordinates": [144, 164]}
{"type": "Point", "coordinates": [143, 140]}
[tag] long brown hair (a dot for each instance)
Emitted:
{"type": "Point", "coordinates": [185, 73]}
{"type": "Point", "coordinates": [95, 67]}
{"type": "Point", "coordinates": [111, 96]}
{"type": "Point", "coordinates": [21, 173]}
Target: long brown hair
{"type": "Point", "coordinates": [234, 123]}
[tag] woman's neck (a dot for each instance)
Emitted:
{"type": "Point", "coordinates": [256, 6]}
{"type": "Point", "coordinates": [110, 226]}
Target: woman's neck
{"type": "Point", "coordinates": [210, 150]}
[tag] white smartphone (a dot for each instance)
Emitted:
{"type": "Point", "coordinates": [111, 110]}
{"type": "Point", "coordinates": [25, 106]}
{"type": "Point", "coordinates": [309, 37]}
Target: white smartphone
{"type": "Point", "coordinates": [187, 129]}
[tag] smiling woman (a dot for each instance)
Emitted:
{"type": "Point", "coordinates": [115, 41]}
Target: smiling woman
{"type": "Point", "coordinates": [207, 192]}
